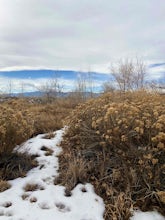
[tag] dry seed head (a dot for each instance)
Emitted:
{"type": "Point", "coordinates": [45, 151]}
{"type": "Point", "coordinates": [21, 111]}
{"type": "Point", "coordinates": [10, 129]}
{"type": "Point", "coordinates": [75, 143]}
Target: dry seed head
{"type": "Point", "coordinates": [94, 124]}
{"type": "Point", "coordinates": [137, 129]}
{"type": "Point", "coordinates": [156, 114]}
{"type": "Point", "coordinates": [148, 156]}
{"type": "Point", "coordinates": [111, 110]}
{"type": "Point", "coordinates": [103, 143]}
{"type": "Point", "coordinates": [161, 136]}
{"type": "Point", "coordinates": [124, 138]}
{"type": "Point", "coordinates": [119, 122]}
{"type": "Point", "coordinates": [161, 145]}
{"type": "Point", "coordinates": [141, 131]}
{"type": "Point", "coordinates": [99, 120]}
{"type": "Point", "coordinates": [148, 124]}
{"type": "Point", "coordinates": [107, 137]}
{"type": "Point", "coordinates": [154, 161]}
{"type": "Point", "coordinates": [146, 114]}
{"type": "Point", "coordinates": [106, 118]}
{"type": "Point", "coordinates": [154, 139]}
{"type": "Point", "coordinates": [109, 131]}
{"type": "Point", "coordinates": [161, 195]}
{"type": "Point", "coordinates": [140, 162]}
{"type": "Point", "coordinates": [159, 126]}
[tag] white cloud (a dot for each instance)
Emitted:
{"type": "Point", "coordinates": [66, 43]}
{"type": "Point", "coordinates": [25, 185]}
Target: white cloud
{"type": "Point", "coordinates": [17, 85]}
{"type": "Point", "coordinates": [156, 73]}
{"type": "Point", "coordinates": [73, 34]}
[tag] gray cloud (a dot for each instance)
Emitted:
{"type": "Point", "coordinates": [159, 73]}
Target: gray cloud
{"type": "Point", "coordinates": [76, 34]}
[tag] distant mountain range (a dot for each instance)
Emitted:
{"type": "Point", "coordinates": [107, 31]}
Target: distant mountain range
{"type": "Point", "coordinates": [46, 73]}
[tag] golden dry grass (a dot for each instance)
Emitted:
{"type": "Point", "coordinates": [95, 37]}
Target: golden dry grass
{"type": "Point", "coordinates": [116, 142]}
{"type": "Point", "coordinates": [32, 187]}
{"type": "Point", "coordinates": [22, 118]}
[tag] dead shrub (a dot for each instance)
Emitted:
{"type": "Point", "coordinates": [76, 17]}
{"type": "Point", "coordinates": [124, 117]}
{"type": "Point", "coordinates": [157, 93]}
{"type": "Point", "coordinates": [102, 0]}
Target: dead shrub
{"type": "Point", "coordinates": [15, 128]}
{"type": "Point", "coordinates": [124, 135]}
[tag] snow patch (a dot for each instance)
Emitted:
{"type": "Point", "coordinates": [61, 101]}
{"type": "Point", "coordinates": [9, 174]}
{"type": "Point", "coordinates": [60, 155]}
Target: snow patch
{"type": "Point", "coordinates": [36, 197]}
{"type": "Point", "coordinates": [138, 215]}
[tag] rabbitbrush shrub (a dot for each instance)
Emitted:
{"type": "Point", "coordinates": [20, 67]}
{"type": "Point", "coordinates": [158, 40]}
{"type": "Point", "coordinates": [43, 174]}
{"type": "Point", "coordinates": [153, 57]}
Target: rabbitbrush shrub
{"type": "Point", "coordinates": [121, 139]}
{"type": "Point", "coordinates": [15, 127]}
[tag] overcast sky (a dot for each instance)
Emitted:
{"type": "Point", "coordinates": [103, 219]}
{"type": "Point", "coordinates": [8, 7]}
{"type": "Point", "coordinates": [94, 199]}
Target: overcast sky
{"type": "Point", "coordinates": [80, 34]}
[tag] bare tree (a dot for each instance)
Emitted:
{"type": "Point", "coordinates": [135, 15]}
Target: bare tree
{"type": "Point", "coordinates": [90, 83]}
{"type": "Point", "coordinates": [81, 86]}
{"type": "Point", "coordinates": [157, 87]}
{"type": "Point", "coordinates": [129, 74]}
{"type": "Point", "coordinates": [108, 87]}
{"type": "Point", "coordinates": [139, 74]}
{"type": "Point", "coordinates": [9, 88]}
{"type": "Point", "coordinates": [52, 88]}
{"type": "Point", "coordinates": [22, 88]}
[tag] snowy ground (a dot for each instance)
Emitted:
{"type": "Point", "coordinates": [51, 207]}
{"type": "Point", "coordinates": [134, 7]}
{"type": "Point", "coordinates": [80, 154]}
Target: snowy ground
{"type": "Point", "coordinates": [48, 201]}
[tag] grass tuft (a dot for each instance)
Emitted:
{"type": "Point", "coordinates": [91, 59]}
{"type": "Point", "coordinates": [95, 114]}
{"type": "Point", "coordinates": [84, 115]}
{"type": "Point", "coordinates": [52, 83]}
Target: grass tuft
{"type": "Point", "coordinates": [4, 185]}
{"type": "Point", "coordinates": [32, 187]}
{"type": "Point", "coordinates": [14, 165]}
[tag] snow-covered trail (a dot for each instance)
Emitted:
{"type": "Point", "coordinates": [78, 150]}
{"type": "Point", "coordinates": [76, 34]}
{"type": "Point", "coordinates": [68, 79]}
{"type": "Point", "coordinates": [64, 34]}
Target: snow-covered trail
{"type": "Point", "coordinates": [48, 201]}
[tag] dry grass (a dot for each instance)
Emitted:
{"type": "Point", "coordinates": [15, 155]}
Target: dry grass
{"type": "Point", "coordinates": [118, 207]}
{"type": "Point", "coordinates": [14, 165]}
{"type": "Point", "coordinates": [116, 142]}
{"type": "Point", "coordinates": [120, 140]}
{"type": "Point", "coordinates": [4, 185]}
{"type": "Point", "coordinates": [25, 196]}
{"type": "Point", "coordinates": [50, 135]}
{"type": "Point", "coordinates": [22, 118]}
{"type": "Point", "coordinates": [32, 187]}
{"type": "Point", "coordinates": [48, 151]}
{"type": "Point", "coordinates": [75, 173]}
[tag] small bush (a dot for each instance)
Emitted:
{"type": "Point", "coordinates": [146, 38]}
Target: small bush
{"type": "Point", "coordinates": [15, 128]}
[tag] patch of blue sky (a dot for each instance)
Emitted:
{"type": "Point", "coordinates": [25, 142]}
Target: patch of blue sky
{"type": "Point", "coordinates": [27, 74]}
{"type": "Point", "coordinates": [66, 74]}
{"type": "Point", "coordinates": [156, 65]}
